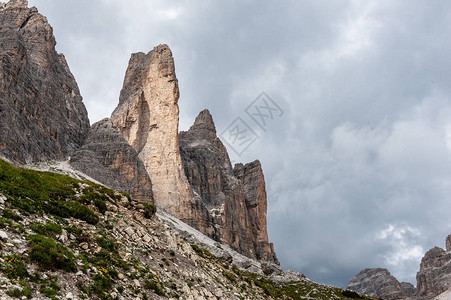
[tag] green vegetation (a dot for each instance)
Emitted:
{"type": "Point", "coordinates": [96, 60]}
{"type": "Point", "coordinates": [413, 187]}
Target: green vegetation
{"type": "Point", "coordinates": [108, 244]}
{"type": "Point", "coordinates": [102, 283]}
{"type": "Point", "coordinates": [9, 214]}
{"type": "Point", "coordinates": [351, 294]}
{"type": "Point", "coordinates": [50, 255]}
{"type": "Point", "coordinates": [14, 267]}
{"type": "Point", "coordinates": [229, 276]}
{"type": "Point", "coordinates": [155, 286]}
{"type": "Point", "coordinates": [49, 229]}
{"type": "Point", "coordinates": [149, 210]}
{"type": "Point", "coordinates": [16, 293]}
{"type": "Point", "coordinates": [50, 289]}
{"type": "Point", "coordinates": [67, 209]}
{"type": "Point", "coordinates": [202, 252]}
{"type": "Point", "coordinates": [34, 192]}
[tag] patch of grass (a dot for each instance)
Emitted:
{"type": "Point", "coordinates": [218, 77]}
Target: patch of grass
{"type": "Point", "coordinates": [50, 255]}
{"type": "Point", "coordinates": [351, 294]}
{"type": "Point", "coordinates": [48, 229]}
{"type": "Point", "coordinates": [149, 210]}
{"type": "Point", "coordinates": [34, 192]}
{"type": "Point", "coordinates": [5, 222]}
{"type": "Point", "coordinates": [202, 252]}
{"type": "Point", "coordinates": [229, 276]}
{"type": "Point", "coordinates": [27, 291]}
{"type": "Point", "coordinates": [22, 184]}
{"type": "Point", "coordinates": [14, 267]}
{"type": "Point", "coordinates": [9, 214]}
{"type": "Point", "coordinates": [108, 244]}
{"type": "Point", "coordinates": [16, 293]}
{"type": "Point", "coordinates": [101, 205]}
{"type": "Point", "coordinates": [102, 284]}
{"type": "Point", "coordinates": [67, 209]}
{"type": "Point", "coordinates": [106, 259]}
{"type": "Point", "coordinates": [50, 290]}
{"type": "Point", "coordinates": [155, 286]}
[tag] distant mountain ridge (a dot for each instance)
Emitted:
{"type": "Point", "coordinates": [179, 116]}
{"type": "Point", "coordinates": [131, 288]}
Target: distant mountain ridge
{"type": "Point", "coordinates": [433, 279]}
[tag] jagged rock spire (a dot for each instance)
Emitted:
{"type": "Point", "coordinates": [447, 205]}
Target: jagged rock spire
{"type": "Point", "coordinates": [148, 118]}
{"type": "Point", "coordinates": [204, 125]}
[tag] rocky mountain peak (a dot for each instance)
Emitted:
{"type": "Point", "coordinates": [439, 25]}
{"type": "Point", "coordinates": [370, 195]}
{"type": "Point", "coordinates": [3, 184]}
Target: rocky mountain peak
{"type": "Point", "coordinates": [204, 125]}
{"type": "Point", "coordinates": [232, 200]}
{"type": "Point", "coordinates": [377, 282]}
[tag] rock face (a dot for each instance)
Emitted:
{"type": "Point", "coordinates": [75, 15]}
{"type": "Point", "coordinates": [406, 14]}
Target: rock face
{"type": "Point", "coordinates": [204, 191]}
{"type": "Point", "coordinates": [231, 202]}
{"type": "Point", "coordinates": [377, 283]}
{"type": "Point", "coordinates": [147, 117]}
{"type": "Point", "coordinates": [41, 111]}
{"type": "Point", "coordinates": [408, 288]}
{"type": "Point", "coordinates": [107, 157]}
{"type": "Point", "coordinates": [434, 276]}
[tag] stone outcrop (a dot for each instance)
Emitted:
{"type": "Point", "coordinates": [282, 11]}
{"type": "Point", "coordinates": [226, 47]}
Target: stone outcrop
{"type": "Point", "coordinates": [147, 117]}
{"type": "Point", "coordinates": [107, 157]}
{"type": "Point", "coordinates": [434, 276]}
{"type": "Point", "coordinates": [408, 288]}
{"type": "Point", "coordinates": [42, 115]}
{"type": "Point", "coordinates": [232, 202]}
{"type": "Point", "coordinates": [377, 282]}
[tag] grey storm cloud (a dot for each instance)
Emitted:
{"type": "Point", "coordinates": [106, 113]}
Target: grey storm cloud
{"type": "Point", "coordinates": [358, 167]}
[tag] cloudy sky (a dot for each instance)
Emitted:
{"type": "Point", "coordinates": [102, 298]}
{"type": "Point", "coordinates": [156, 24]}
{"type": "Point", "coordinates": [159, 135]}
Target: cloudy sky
{"type": "Point", "coordinates": [358, 157]}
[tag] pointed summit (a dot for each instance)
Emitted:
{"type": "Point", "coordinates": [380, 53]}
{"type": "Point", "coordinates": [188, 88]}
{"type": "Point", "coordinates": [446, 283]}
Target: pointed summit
{"type": "Point", "coordinates": [204, 125]}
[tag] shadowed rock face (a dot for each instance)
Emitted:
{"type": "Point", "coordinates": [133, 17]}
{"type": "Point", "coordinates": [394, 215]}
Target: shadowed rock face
{"type": "Point", "coordinates": [408, 288]}
{"type": "Point", "coordinates": [231, 201]}
{"type": "Point", "coordinates": [41, 111]}
{"type": "Point", "coordinates": [107, 157]}
{"type": "Point", "coordinates": [147, 117]}
{"type": "Point", "coordinates": [377, 283]}
{"type": "Point", "coordinates": [434, 276]}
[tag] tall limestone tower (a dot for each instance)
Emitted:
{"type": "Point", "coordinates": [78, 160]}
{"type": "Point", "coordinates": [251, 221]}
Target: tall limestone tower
{"type": "Point", "coordinates": [148, 118]}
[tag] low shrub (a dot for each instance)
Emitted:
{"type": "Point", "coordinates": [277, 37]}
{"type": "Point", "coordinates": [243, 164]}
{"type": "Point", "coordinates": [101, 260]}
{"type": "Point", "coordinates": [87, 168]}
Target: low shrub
{"type": "Point", "coordinates": [202, 252]}
{"type": "Point", "coordinates": [155, 286]}
{"type": "Point", "coordinates": [14, 267]}
{"type": "Point", "coordinates": [351, 294]}
{"type": "Point", "coordinates": [101, 205]}
{"type": "Point", "coordinates": [9, 214]}
{"type": "Point", "coordinates": [72, 209]}
{"type": "Point", "coordinates": [102, 284]}
{"type": "Point", "coordinates": [149, 210]}
{"type": "Point", "coordinates": [50, 255]}
{"type": "Point", "coordinates": [49, 229]}
{"type": "Point", "coordinates": [108, 244]}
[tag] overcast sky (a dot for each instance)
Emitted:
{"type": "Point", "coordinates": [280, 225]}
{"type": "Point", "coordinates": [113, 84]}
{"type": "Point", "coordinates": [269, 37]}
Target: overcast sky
{"type": "Point", "coordinates": [358, 165]}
